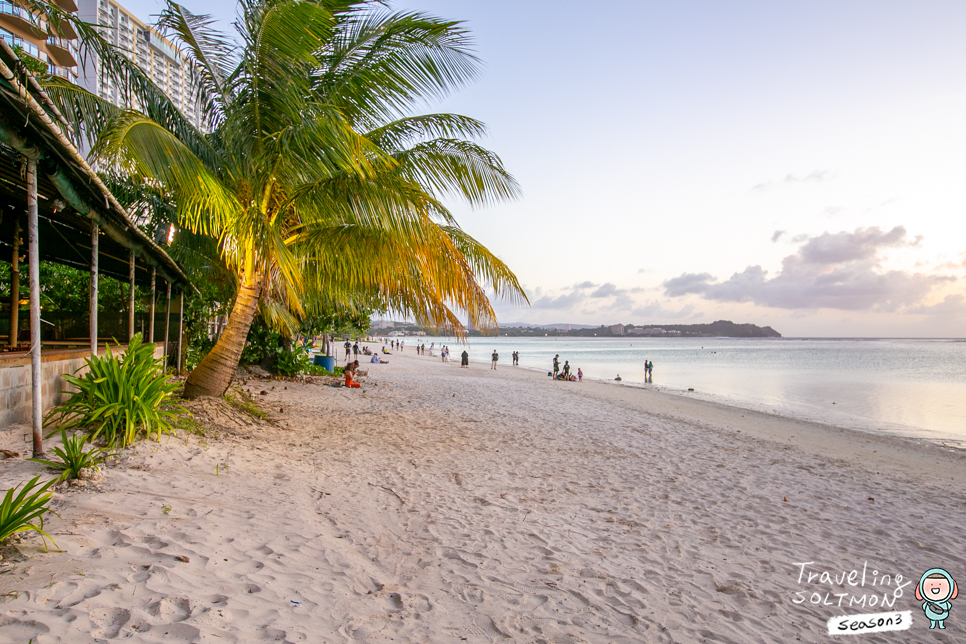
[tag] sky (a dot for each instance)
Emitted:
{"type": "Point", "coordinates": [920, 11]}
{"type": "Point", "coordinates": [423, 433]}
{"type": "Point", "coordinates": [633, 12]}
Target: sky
{"type": "Point", "coordinates": [797, 165]}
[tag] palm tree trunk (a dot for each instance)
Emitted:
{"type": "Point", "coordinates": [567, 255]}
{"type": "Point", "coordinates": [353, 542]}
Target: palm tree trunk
{"type": "Point", "coordinates": [214, 373]}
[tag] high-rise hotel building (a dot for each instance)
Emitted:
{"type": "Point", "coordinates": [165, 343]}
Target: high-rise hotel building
{"type": "Point", "coordinates": [157, 56]}
{"type": "Point", "coordinates": [34, 36]}
{"type": "Point", "coordinates": [60, 50]}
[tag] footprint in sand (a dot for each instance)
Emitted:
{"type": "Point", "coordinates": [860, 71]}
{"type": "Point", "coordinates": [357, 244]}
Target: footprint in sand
{"type": "Point", "coordinates": [363, 629]}
{"type": "Point", "coordinates": [172, 609]}
{"type": "Point", "coordinates": [108, 622]}
{"type": "Point", "coordinates": [15, 630]}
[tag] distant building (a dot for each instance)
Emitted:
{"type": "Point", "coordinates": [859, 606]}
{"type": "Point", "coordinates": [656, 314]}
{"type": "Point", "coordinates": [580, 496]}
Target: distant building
{"type": "Point", "coordinates": [167, 68]}
{"type": "Point", "coordinates": [617, 329]}
{"type": "Point", "coordinates": [650, 331]}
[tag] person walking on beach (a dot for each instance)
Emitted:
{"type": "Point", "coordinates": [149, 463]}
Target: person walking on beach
{"type": "Point", "coordinates": [464, 360]}
{"type": "Point", "coordinates": [556, 365]}
{"type": "Point", "coordinates": [580, 375]}
{"type": "Point", "coordinates": [348, 347]}
{"type": "Point", "coordinates": [355, 350]}
{"type": "Point", "coordinates": [493, 359]}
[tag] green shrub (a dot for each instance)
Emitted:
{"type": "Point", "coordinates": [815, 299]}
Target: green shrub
{"type": "Point", "coordinates": [25, 512]}
{"type": "Point", "coordinates": [261, 344]}
{"type": "Point", "coordinates": [292, 363]}
{"type": "Point", "coordinates": [316, 370]}
{"type": "Point", "coordinates": [120, 397]}
{"type": "Point", "coordinates": [73, 458]}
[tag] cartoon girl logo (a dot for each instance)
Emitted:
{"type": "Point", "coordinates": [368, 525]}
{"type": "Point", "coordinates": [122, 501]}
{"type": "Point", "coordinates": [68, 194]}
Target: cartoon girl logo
{"type": "Point", "coordinates": [936, 591]}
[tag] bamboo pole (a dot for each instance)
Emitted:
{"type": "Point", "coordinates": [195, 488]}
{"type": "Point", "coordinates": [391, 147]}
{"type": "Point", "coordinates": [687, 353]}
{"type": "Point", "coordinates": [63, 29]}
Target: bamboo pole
{"type": "Point", "coordinates": [92, 298]}
{"type": "Point", "coordinates": [130, 298]}
{"type": "Point", "coordinates": [154, 272]}
{"type": "Point", "coordinates": [180, 329]}
{"type": "Point", "coordinates": [36, 384]}
{"type": "Point", "coordinates": [15, 287]}
{"type": "Point", "coordinates": [167, 324]}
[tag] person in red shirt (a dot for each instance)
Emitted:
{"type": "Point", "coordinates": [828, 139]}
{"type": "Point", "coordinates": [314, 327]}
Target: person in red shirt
{"type": "Point", "coordinates": [349, 368]}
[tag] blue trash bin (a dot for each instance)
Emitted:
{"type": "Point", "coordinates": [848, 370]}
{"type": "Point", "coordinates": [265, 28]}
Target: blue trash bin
{"type": "Point", "coordinates": [326, 362]}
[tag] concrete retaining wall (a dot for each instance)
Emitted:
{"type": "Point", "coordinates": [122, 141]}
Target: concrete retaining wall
{"type": "Point", "coordinates": [15, 394]}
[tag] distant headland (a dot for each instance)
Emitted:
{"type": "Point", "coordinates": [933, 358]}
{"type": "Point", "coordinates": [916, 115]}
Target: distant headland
{"type": "Point", "coordinates": [720, 328]}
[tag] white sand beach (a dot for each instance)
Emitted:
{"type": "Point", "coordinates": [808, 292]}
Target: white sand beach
{"type": "Point", "coordinates": [466, 505]}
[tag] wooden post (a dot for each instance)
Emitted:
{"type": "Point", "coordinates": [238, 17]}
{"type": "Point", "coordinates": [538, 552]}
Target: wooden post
{"type": "Point", "coordinates": [36, 384]}
{"type": "Point", "coordinates": [93, 290]}
{"type": "Point", "coordinates": [180, 329]}
{"type": "Point", "coordinates": [167, 323]}
{"type": "Point", "coordinates": [154, 272]}
{"type": "Point", "coordinates": [130, 298]}
{"type": "Point", "coordinates": [15, 287]}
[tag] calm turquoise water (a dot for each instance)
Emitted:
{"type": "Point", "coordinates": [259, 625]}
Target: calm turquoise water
{"type": "Point", "coordinates": [908, 387]}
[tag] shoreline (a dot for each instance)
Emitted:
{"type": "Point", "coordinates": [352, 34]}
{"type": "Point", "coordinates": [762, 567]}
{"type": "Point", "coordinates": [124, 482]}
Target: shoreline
{"type": "Point", "coordinates": [447, 505]}
{"type": "Point", "coordinates": [820, 439]}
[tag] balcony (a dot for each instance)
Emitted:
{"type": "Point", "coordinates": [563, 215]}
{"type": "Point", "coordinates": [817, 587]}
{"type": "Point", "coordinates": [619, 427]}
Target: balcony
{"type": "Point", "coordinates": [65, 30]}
{"type": "Point", "coordinates": [25, 46]}
{"type": "Point", "coordinates": [67, 5]}
{"type": "Point", "coordinates": [61, 51]}
{"type": "Point", "coordinates": [22, 19]}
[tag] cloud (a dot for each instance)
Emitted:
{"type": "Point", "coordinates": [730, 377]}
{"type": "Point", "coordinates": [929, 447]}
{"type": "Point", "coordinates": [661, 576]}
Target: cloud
{"type": "Point", "coordinates": [565, 301]}
{"type": "Point", "coordinates": [844, 247]}
{"type": "Point", "coordinates": [641, 271]}
{"type": "Point", "coordinates": [952, 305]}
{"type": "Point", "coordinates": [607, 290]}
{"type": "Point", "coordinates": [775, 236]}
{"type": "Point", "coordinates": [818, 176]}
{"type": "Point", "coordinates": [604, 299]}
{"type": "Point", "coordinates": [687, 284]}
{"type": "Point", "coordinates": [836, 271]}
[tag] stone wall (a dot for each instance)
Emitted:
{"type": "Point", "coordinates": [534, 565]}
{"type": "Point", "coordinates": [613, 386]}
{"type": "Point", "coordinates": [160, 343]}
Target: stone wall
{"type": "Point", "coordinates": [15, 396]}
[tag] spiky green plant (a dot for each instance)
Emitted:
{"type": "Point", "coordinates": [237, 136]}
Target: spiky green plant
{"type": "Point", "coordinates": [25, 511]}
{"type": "Point", "coordinates": [120, 398]}
{"type": "Point", "coordinates": [72, 456]}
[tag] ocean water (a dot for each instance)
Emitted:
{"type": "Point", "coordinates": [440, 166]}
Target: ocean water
{"type": "Point", "coordinates": [914, 388]}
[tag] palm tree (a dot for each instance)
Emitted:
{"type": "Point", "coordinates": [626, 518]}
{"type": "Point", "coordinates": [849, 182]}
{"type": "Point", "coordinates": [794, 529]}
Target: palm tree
{"type": "Point", "coordinates": [316, 184]}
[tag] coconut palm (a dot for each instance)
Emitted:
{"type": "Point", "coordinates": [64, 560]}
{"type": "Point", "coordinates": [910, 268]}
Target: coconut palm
{"type": "Point", "coordinates": [314, 180]}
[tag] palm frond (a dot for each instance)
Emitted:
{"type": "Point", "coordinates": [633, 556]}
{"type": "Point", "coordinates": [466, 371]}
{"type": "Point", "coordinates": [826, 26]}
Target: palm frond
{"type": "Point", "coordinates": [459, 168]}
{"type": "Point", "coordinates": [140, 146]}
{"type": "Point", "coordinates": [399, 134]}
{"type": "Point", "coordinates": [208, 47]}
{"type": "Point", "coordinates": [381, 64]}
